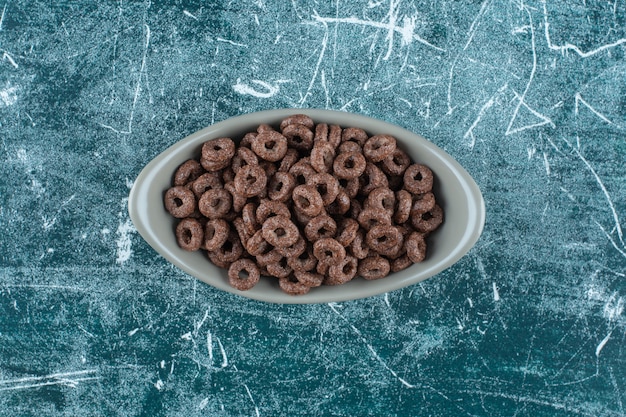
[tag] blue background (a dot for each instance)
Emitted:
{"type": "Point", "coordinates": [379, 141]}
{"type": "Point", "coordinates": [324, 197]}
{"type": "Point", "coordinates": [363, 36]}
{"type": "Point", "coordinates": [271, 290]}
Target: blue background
{"type": "Point", "coordinates": [528, 96]}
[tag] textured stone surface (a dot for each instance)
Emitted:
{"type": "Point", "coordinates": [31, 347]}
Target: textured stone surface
{"type": "Point", "coordinates": [528, 97]}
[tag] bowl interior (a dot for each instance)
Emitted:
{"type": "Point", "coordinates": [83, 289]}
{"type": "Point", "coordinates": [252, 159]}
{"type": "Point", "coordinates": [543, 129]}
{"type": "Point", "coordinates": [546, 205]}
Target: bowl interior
{"type": "Point", "coordinates": [455, 190]}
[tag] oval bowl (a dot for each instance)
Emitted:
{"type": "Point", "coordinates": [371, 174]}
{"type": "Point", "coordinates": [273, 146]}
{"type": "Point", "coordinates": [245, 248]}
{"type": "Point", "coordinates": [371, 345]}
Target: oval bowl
{"type": "Point", "coordinates": [455, 190]}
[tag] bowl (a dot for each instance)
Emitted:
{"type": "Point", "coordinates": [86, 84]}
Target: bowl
{"type": "Point", "coordinates": [455, 190]}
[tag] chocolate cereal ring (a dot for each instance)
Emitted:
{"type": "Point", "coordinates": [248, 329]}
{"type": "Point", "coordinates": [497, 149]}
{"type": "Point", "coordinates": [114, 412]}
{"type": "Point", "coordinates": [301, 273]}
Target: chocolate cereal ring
{"type": "Point", "coordinates": [326, 185]}
{"type": "Point", "coordinates": [295, 249]}
{"type": "Point", "coordinates": [280, 232]}
{"type": "Point", "coordinates": [216, 233]}
{"type": "Point", "coordinates": [369, 218]}
{"type": "Point", "coordinates": [307, 200]}
{"type": "Point", "coordinates": [404, 201]}
{"type": "Point", "coordinates": [243, 233]}
{"type": "Point", "coordinates": [358, 247]}
{"type": "Point", "coordinates": [257, 245]}
{"type": "Point", "coordinates": [217, 260]}
{"type": "Point", "coordinates": [320, 227]}
{"type": "Point", "coordinates": [374, 267]}
{"type": "Point", "coordinates": [334, 136]}
{"type": "Point", "coordinates": [372, 178]}
{"type": "Point", "coordinates": [310, 279]}
{"type": "Point", "coordinates": [270, 257]}
{"type": "Point", "coordinates": [349, 165]}
{"type": "Point", "coordinates": [401, 263]}
{"type": "Point", "coordinates": [396, 163]}
{"type": "Point", "coordinates": [279, 269]}
{"type": "Point", "coordinates": [322, 157]}
{"type": "Point", "coordinates": [189, 234]}
{"type": "Point", "coordinates": [423, 203]}
{"type": "Point", "coordinates": [328, 251]}
{"type": "Point", "coordinates": [418, 179]}
{"type": "Point", "coordinates": [248, 138]}
{"type": "Point", "coordinates": [301, 171]}
{"type": "Point", "coordinates": [290, 158]}
{"type": "Point", "coordinates": [231, 249]}
{"type": "Point", "coordinates": [381, 198]}
{"type": "Point", "coordinates": [243, 274]}
{"type": "Point", "coordinates": [379, 147]}
{"type": "Point", "coordinates": [250, 180]}
{"type": "Point", "coordinates": [218, 150]}
{"type": "Point", "coordinates": [292, 286]}
{"type": "Point", "coordinates": [306, 261]}
{"type": "Point", "coordinates": [341, 205]}
{"type": "Point", "coordinates": [248, 216]}
{"type": "Point", "coordinates": [270, 146]}
{"type": "Point", "coordinates": [355, 134]}
{"type": "Point", "coordinates": [243, 157]}
{"type": "Point", "coordinates": [187, 172]}
{"type": "Point", "coordinates": [347, 231]}
{"type": "Point", "coordinates": [269, 208]}
{"type": "Point", "coordinates": [239, 200]}
{"type": "Point", "coordinates": [383, 239]}
{"type": "Point", "coordinates": [321, 133]}
{"type": "Point", "coordinates": [349, 147]}
{"type": "Point", "coordinates": [280, 186]}
{"type": "Point", "coordinates": [429, 221]}
{"type": "Point", "coordinates": [205, 182]}
{"type": "Point", "coordinates": [415, 246]}
{"type": "Point", "coordinates": [300, 119]}
{"type": "Point", "coordinates": [180, 202]}
{"type": "Point", "coordinates": [298, 136]}
{"type": "Point", "coordinates": [215, 204]}
{"type": "Point", "coordinates": [342, 272]}
{"type": "Point", "coordinates": [351, 186]}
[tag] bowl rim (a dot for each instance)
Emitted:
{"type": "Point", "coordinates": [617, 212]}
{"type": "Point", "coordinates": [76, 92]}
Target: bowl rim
{"type": "Point", "coordinates": [139, 210]}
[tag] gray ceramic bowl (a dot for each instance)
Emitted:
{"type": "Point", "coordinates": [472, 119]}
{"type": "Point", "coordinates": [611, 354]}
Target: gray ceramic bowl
{"type": "Point", "coordinates": [454, 189]}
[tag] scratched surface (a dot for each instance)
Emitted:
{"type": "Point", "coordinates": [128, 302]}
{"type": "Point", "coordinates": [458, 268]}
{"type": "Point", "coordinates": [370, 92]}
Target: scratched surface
{"type": "Point", "coordinates": [528, 96]}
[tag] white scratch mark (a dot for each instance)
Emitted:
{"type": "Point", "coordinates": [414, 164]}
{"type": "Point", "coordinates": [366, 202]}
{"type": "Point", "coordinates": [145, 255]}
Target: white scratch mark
{"type": "Point", "coordinates": [618, 226]}
{"type": "Point", "coordinates": [496, 294]}
{"type": "Point", "coordinates": [613, 308]}
{"type": "Point", "coordinates": [123, 242]}
{"type": "Point", "coordinates": [407, 31]}
{"type": "Point", "coordinates": [223, 352]}
{"type": "Point", "coordinates": [256, 409]}
{"type": "Point", "coordinates": [475, 23]}
{"type": "Point", "coordinates": [203, 403]}
{"type": "Point", "coordinates": [186, 336]}
{"type": "Point", "coordinates": [140, 76]}
{"type": "Point", "coordinates": [132, 332]}
{"type": "Point", "coordinates": [546, 163]}
{"type": "Point", "coordinates": [209, 345]}
{"type": "Point", "coordinates": [49, 223]}
{"type": "Point", "coordinates": [579, 99]}
{"type": "Point", "coordinates": [570, 47]}
{"type": "Point", "coordinates": [318, 64]}
{"type": "Point", "coordinates": [481, 112]}
{"type": "Point", "coordinates": [602, 343]}
{"type": "Point", "coordinates": [4, 9]}
{"type": "Point", "coordinates": [521, 98]}
{"type": "Point", "coordinates": [8, 96]}
{"type": "Point", "coordinates": [231, 42]}
{"type": "Point", "coordinates": [66, 379]}
{"type": "Point", "coordinates": [387, 299]}
{"type": "Point", "coordinates": [245, 89]}
{"type": "Point", "coordinates": [159, 385]}
{"type": "Point", "coordinates": [370, 348]}
{"type": "Point", "coordinates": [7, 57]}
{"type": "Point", "coordinates": [187, 13]}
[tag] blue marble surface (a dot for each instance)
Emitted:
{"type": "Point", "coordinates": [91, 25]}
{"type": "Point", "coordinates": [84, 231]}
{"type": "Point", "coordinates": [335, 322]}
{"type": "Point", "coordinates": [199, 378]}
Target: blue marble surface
{"type": "Point", "coordinates": [528, 96]}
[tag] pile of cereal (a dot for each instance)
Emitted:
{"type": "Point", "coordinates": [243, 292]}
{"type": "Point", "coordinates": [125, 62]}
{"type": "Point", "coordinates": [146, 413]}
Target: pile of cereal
{"type": "Point", "coordinates": [309, 204]}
